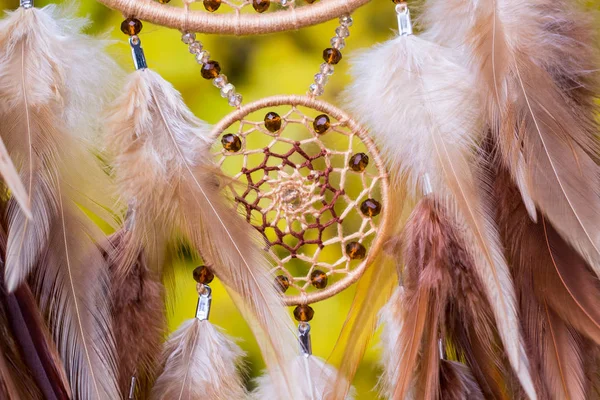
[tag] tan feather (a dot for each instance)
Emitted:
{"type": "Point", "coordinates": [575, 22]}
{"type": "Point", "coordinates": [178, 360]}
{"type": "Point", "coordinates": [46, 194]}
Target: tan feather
{"type": "Point", "coordinates": [48, 74]}
{"type": "Point", "coordinates": [165, 170]}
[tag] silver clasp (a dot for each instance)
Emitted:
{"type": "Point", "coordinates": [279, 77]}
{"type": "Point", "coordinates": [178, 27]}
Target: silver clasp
{"type": "Point", "coordinates": [304, 339]}
{"type": "Point", "coordinates": [204, 302]}
{"type": "Point", "coordinates": [26, 3]}
{"type": "Point", "coordinates": [139, 59]}
{"type": "Point", "coordinates": [404, 23]}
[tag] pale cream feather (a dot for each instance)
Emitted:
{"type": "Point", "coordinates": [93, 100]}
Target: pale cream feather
{"type": "Point", "coordinates": [200, 363]}
{"type": "Point", "coordinates": [165, 170]}
{"type": "Point", "coordinates": [50, 81]}
{"type": "Point", "coordinates": [423, 109]}
{"type": "Point", "coordinates": [313, 376]}
{"type": "Point", "coordinates": [546, 146]}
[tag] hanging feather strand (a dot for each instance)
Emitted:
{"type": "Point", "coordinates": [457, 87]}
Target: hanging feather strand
{"type": "Point", "coordinates": [164, 168]}
{"type": "Point", "coordinates": [432, 102]}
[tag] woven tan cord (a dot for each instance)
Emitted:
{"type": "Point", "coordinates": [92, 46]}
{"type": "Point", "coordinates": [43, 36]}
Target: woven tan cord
{"type": "Point", "coordinates": [374, 180]}
{"type": "Point", "coordinates": [235, 23]}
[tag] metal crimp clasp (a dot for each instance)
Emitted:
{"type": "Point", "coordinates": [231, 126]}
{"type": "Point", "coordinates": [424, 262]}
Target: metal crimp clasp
{"type": "Point", "coordinates": [404, 23]}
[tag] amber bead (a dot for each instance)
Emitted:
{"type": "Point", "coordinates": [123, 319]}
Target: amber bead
{"type": "Point", "coordinates": [272, 122]}
{"type": "Point", "coordinates": [212, 5]}
{"type": "Point", "coordinates": [321, 124]}
{"type": "Point", "coordinates": [261, 5]}
{"type": "Point", "coordinates": [332, 56]}
{"type": "Point", "coordinates": [370, 207]}
{"type": "Point", "coordinates": [231, 142]}
{"type": "Point", "coordinates": [203, 274]}
{"type": "Point", "coordinates": [358, 162]}
{"type": "Point", "coordinates": [398, 1]}
{"type": "Point", "coordinates": [131, 26]}
{"type": "Point", "coordinates": [310, 1]}
{"type": "Point", "coordinates": [210, 70]}
{"type": "Point", "coordinates": [318, 279]}
{"type": "Point", "coordinates": [283, 283]}
{"type": "Point", "coordinates": [304, 313]}
{"type": "Point", "coordinates": [164, 1]}
{"type": "Point", "coordinates": [356, 251]}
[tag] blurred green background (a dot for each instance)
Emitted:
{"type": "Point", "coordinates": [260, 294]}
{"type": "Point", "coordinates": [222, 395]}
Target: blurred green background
{"type": "Point", "coordinates": [282, 63]}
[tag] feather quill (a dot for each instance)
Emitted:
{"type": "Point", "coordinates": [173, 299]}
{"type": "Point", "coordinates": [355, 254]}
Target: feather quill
{"type": "Point", "coordinates": [431, 101]}
{"type": "Point", "coordinates": [200, 363]}
{"type": "Point", "coordinates": [164, 168]}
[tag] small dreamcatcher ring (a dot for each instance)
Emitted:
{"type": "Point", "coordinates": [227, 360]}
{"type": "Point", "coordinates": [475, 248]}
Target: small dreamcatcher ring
{"type": "Point", "coordinates": [234, 23]}
{"type": "Point", "coordinates": [310, 179]}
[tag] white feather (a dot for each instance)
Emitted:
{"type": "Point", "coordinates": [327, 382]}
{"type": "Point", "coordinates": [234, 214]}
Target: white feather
{"type": "Point", "coordinates": [313, 377]}
{"type": "Point", "coordinates": [423, 109]}
{"type": "Point", "coordinates": [200, 363]}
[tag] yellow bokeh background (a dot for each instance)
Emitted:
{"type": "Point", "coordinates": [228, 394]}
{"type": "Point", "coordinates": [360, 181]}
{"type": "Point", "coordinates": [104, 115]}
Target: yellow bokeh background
{"type": "Point", "coordinates": [282, 63]}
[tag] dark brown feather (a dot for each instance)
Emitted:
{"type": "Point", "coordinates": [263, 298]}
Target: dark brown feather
{"type": "Point", "coordinates": [137, 308]}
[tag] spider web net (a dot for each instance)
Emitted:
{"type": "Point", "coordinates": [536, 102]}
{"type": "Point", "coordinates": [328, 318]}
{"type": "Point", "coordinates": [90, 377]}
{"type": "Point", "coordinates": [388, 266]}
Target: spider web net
{"type": "Point", "coordinates": [298, 190]}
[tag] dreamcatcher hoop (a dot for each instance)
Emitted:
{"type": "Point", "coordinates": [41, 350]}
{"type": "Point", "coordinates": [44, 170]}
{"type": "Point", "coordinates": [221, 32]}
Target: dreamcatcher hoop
{"type": "Point", "coordinates": [234, 24]}
{"type": "Point", "coordinates": [378, 231]}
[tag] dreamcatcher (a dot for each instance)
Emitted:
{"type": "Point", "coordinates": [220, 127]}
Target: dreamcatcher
{"type": "Point", "coordinates": [487, 216]}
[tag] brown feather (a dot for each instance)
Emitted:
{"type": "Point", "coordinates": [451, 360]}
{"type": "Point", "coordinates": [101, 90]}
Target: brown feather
{"type": "Point", "coordinates": [457, 382]}
{"type": "Point", "coordinates": [540, 260]}
{"type": "Point", "coordinates": [138, 316]}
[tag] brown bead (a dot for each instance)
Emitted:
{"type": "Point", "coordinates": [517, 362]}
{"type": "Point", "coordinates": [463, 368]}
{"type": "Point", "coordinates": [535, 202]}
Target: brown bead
{"type": "Point", "coordinates": [358, 162]}
{"type": "Point", "coordinates": [370, 207]}
{"type": "Point", "coordinates": [231, 142]}
{"type": "Point", "coordinates": [283, 283]}
{"type": "Point", "coordinates": [203, 274]}
{"type": "Point", "coordinates": [304, 313]}
{"type": "Point", "coordinates": [318, 279]}
{"type": "Point", "coordinates": [398, 1]}
{"type": "Point", "coordinates": [310, 1]}
{"type": "Point", "coordinates": [272, 121]}
{"type": "Point", "coordinates": [210, 70]}
{"type": "Point", "coordinates": [164, 1]}
{"type": "Point", "coordinates": [131, 26]}
{"type": "Point", "coordinates": [261, 5]}
{"type": "Point", "coordinates": [332, 56]}
{"type": "Point", "coordinates": [321, 124]}
{"type": "Point", "coordinates": [356, 251]}
{"type": "Point", "coordinates": [212, 5]}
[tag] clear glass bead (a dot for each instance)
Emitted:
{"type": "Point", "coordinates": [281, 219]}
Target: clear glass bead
{"type": "Point", "coordinates": [326, 69]}
{"type": "Point", "coordinates": [316, 90]}
{"type": "Point", "coordinates": [321, 79]}
{"type": "Point", "coordinates": [338, 43]}
{"type": "Point", "coordinates": [188, 38]}
{"type": "Point", "coordinates": [203, 57]}
{"type": "Point", "coordinates": [342, 31]}
{"type": "Point", "coordinates": [195, 47]}
{"type": "Point", "coordinates": [346, 20]}
{"type": "Point", "coordinates": [220, 81]}
{"type": "Point", "coordinates": [227, 90]}
{"type": "Point", "coordinates": [235, 99]}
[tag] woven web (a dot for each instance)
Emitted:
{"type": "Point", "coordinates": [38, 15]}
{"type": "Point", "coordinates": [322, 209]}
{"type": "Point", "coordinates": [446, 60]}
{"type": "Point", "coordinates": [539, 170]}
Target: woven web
{"type": "Point", "coordinates": [239, 6]}
{"type": "Point", "coordinates": [299, 192]}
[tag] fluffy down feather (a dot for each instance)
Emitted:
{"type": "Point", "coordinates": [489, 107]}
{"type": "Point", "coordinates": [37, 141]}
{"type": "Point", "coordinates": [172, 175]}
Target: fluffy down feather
{"type": "Point", "coordinates": [200, 363]}
{"type": "Point", "coordinates": [315, 379]}
{"type": "Point", "coordinates": [426, 103]}
{"type": "Point", "coordinates": [165, 171]}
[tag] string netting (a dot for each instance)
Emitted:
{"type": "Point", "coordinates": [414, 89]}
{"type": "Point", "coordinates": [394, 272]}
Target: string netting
{"type": "Point", "coordinates": [298, 189]}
